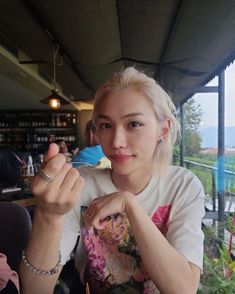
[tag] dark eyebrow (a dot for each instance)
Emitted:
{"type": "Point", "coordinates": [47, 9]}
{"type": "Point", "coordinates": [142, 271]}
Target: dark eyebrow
{"type": "Point", "coordinates": [100, 116]}
{"type": "Point", "coordinates": [125, 116]}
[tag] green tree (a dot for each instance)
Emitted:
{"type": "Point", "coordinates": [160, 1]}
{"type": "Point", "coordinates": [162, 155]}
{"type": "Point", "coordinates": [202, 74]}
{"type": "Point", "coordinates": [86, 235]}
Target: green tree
{"type": "Point", "coordinates": [192, 119]}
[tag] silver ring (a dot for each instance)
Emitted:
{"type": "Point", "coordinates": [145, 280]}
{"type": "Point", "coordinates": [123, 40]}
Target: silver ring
{"type": "Point", "coordinates": [45, 176]}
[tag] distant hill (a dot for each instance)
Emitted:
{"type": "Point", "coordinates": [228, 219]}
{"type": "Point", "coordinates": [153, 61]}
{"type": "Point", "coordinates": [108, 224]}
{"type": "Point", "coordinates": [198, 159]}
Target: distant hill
{"type": "Point", "coordinates": [210, 137]}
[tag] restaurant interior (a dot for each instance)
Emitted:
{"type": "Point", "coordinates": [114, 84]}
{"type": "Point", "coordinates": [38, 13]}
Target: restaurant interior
{"type": "Point", "coordinates": [55, 54]}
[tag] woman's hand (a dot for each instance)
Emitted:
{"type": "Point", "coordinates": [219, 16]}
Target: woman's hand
{"type": "Point", "coordinates": [107, 205]}
{"type": "Point", "coordinates": [56, 197]}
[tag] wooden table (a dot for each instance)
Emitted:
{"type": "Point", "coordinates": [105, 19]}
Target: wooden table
{"type": "Point", "coordinates": [26, 202]}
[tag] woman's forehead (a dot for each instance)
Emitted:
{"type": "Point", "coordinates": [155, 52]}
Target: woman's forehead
{"type": "Point", "coordinates": [125, 99]}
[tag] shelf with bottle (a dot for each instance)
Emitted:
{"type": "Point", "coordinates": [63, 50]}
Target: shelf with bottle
{"type": "Point", "coordinates": [15, 120]}
{"type": "Point", "coordinates": [29, 130]}
{"type": "Point", "coordinates": [38, 119]}
{"type": "Point", "coordinates": [54, 120]}
{"type": "Point", "coordinates": [42, 137]}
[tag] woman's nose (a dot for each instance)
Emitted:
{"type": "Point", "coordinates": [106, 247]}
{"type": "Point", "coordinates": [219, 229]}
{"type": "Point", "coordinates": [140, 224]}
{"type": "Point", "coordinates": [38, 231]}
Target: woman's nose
{"type": "Point", "coordinates": [119, 139]}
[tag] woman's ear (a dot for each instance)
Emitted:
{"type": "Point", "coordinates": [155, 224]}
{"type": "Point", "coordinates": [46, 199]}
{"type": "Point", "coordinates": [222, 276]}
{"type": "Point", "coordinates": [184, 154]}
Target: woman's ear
{"type": "Point", "coordinates": [164, 131]}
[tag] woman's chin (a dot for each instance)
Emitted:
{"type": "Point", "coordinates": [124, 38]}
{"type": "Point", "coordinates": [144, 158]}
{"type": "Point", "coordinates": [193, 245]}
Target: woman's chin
{"type": "Point", "coordinates": [123, 169]}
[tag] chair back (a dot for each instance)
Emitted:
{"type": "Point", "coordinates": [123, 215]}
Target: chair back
{"type": "Point", "coordinates": [15, 227]}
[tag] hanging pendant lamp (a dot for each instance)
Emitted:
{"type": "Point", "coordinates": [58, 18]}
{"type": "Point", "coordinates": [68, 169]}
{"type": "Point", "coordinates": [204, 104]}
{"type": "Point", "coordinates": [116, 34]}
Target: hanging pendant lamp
{"type": "Point", "coordinates": [54, 100]}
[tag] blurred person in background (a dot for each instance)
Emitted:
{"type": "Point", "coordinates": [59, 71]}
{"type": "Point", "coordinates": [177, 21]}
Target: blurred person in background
{"type": "Point", "coordinates": [93, 154]}
{"type": "Point", "coordinates": [63, 148]}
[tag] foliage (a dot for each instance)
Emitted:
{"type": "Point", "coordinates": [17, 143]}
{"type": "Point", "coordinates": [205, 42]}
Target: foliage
{"type": "Point", "coordinates": [205, 175]}
{"type": "Point", "coordinates": [211, 159]}
{"type": "Point", "coordinates": [205, 178]}
{"type": "Point", "coordinates": [232, 190]}
{"type": "Point", "coordinates": [230, 223]}
{"type": "Point", "coordinates": [192, 120]}
{"type": "Point", "coordinates": [203, 160]}
{"type": "Point", "coordinates": [192, 142]}
{"type": "Point", "coordinates": [219, 267]}
{"type": "Point", "coordinates": [219, 274]}
{"type": "Point", "coordinates": [176, 155]}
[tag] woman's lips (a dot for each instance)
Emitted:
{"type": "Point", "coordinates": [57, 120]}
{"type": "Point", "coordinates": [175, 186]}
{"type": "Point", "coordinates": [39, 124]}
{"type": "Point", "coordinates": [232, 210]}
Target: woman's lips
{"type": "Point", "coordinates": [120, 158]}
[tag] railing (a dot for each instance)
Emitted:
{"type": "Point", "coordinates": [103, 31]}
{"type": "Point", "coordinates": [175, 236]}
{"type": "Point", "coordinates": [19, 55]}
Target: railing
{"type": "Point", "coordinates": [210, 184]}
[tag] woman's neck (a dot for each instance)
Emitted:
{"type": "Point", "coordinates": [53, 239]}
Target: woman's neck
{"type": "Point", "coordinates": [133, 183]}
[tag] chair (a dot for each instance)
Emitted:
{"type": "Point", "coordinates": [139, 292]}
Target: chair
{"type": "Point", "coordinates": [15, 227]}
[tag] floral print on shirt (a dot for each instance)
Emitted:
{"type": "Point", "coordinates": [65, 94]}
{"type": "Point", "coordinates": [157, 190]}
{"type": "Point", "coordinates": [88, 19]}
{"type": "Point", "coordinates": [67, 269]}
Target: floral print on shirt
{"type": "Point", "coordinates": [113, 261]}
{"type": "Point", "coordinates": [161, 218]}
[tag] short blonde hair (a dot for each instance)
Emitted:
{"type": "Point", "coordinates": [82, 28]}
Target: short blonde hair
{"type": "Point", "coordinates": [161, 102]}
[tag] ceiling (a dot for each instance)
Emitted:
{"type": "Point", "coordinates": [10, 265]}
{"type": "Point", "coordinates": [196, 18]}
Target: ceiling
{"type": "Point", "coordinates": [182, 43]}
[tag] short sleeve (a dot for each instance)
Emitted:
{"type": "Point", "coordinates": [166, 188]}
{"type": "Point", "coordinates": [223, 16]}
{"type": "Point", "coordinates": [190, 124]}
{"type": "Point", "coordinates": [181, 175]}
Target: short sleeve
{"type": "Point", "coordinates": [185, 227]}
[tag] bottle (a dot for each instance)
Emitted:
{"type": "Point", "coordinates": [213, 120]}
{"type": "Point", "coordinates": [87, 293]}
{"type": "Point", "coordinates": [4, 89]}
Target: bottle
{"type": "Point", "coordinates": [53, 121]}
{"type": "Point", "coordinates": [74, 119]}
{"type": "Point", "coordinates": [30, 169]}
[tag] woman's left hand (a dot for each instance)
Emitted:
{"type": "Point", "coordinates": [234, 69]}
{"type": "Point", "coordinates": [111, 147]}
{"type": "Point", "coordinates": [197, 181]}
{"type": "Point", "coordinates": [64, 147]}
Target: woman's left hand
{"type": "Point", "coordinates": [107, 205]}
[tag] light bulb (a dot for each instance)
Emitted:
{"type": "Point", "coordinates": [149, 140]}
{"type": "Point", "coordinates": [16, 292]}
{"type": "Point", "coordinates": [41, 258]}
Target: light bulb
{"type": "Point", "coordinates": [54, 103]}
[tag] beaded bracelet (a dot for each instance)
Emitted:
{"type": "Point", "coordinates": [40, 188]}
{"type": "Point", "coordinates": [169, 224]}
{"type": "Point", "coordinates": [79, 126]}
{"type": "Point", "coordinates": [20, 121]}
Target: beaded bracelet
{"type": "Point", "coordinates": [38, 271]}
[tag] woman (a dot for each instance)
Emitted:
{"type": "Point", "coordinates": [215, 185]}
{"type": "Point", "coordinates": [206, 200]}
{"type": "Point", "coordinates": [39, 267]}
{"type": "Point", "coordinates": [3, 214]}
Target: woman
{"type": "Point", "coordinates": [139, 222]}
{"type": "Point", "coordinates": [63, 148]}
{"type": "Point", "coordinates": [93, 154]}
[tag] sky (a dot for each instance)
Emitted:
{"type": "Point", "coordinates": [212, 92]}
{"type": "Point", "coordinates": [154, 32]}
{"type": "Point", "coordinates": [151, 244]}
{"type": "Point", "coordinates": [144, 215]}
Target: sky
{"type": "Point", "coordinates": [209, 101]}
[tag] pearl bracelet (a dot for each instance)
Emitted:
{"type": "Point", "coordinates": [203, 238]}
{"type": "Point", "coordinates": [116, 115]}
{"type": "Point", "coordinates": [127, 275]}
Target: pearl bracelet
{"type": "Point", "coordinates": [38, 271]}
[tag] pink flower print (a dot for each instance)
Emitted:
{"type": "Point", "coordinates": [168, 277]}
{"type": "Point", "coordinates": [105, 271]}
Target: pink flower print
{"type": "Point", "coordinates": [149, 288]}
{"type": "Point", "coordinates": [96, 266]}
{"type": "Point", "coordinates": [161, 218]}
{"type": "Point", "coordinates": [88, 239]}
{"type": "Point", "coordinates": [95, 254]}
{"type": "Point", "coordinates": [93, 242]}
{"type": "Point", "coordinates": [89, 244]}
{"type": "Point", "coordinates": [84, 231]}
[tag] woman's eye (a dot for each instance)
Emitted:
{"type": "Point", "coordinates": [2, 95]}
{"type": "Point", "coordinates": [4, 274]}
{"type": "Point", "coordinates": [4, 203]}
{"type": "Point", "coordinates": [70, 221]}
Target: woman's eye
{"type": "Point", "coordinates": [134, 124]}
{"type": "Point", "coordinates": [105, 126]}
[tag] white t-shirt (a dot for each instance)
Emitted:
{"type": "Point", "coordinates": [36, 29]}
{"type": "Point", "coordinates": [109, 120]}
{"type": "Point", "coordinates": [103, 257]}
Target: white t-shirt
{"type": "Point", "coordinates": [175, 203]}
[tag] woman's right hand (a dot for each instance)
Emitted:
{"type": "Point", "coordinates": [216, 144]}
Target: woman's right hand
{"type": "Point", "coordinates": [57, 197]}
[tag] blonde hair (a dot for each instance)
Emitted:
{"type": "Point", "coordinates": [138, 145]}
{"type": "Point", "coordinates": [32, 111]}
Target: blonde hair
{"type": "Point", "coordinates": [161, 102]}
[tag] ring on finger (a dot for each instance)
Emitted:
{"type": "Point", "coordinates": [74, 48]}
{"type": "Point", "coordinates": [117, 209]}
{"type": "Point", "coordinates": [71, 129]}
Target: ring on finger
{"type": "Point", "coordinates": [45, 176]}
